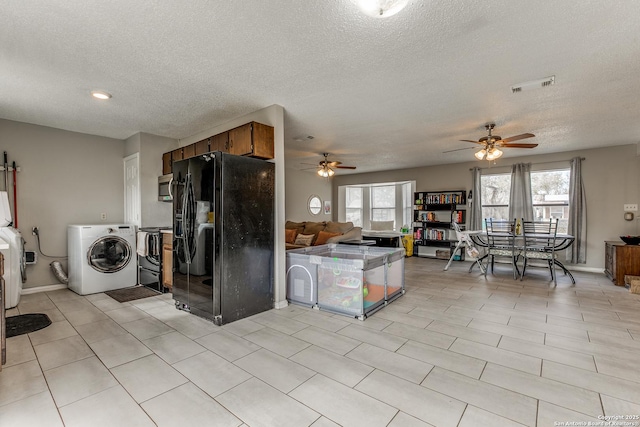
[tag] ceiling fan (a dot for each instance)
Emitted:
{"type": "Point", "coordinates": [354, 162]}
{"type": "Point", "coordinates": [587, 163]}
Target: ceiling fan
{"type": "Point", "coordinates": [326, 167]}
{"type": "Point", "coordinates": [491, 144]}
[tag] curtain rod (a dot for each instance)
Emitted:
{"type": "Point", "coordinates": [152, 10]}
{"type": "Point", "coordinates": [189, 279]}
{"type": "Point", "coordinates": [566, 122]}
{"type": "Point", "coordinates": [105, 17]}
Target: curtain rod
{"type": "Point", "coordinates": [538, 163]}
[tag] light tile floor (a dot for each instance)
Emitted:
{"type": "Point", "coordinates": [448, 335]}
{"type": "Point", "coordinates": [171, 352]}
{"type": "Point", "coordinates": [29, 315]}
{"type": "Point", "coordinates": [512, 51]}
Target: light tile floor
{"type": "Point", "coordinates": [458, 349]}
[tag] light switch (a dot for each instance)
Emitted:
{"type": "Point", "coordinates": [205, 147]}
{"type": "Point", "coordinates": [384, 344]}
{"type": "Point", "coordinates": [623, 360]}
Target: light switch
{"type": "Point", "coordinates": [630, 207]}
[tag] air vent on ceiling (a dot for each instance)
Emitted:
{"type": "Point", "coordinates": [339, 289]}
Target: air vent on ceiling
{"type": "Point", "coordinates": [303, 138]}
{"type": "Point", "coordinates": [535, 84]}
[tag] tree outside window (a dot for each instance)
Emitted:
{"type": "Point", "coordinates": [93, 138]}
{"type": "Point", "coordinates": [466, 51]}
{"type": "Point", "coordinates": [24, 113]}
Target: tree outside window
{"type": "Point", "coordinates": [383, 203]}
{"type": "Point", "coordinates": [496, 191]}
{"type": "Point", "coordinates": [353, 203]}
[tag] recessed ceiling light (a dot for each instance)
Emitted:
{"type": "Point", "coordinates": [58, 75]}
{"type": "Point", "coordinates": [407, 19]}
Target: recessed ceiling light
{"type": "Point", "coordinates": [100, 94]}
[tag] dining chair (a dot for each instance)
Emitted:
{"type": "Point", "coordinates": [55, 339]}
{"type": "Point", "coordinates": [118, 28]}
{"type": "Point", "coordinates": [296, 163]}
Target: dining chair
{"type": "Point", "coordinates": [501, 241]}
{"type": "Point", "coordinates": [464, 241]}
{"type": "Point", "coordinates": [539, 244]}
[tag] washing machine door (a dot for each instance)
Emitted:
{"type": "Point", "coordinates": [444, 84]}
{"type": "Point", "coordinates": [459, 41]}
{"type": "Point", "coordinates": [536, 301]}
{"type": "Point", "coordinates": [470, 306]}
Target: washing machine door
{"type": "Point", "coordinates": [109, 254]}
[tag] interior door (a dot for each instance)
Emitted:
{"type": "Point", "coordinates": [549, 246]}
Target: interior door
{"type": "Point", "coordinates": [132, 209]}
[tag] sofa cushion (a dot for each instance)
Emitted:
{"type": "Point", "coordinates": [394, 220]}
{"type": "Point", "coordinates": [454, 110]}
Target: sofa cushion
{"type": "Point", "coordinates": [382, 225]}
{"type": "Point", "coordinates": [338, 227]}
{"type": "Point", "coordinates": [298, 226]}
{"type": "Point", "coordinates": [323, 236]}
{"type": "Point", "coordinates": [290, 235]}
{"type": "Point", "coordinates": [304, 239]}
{"type": "Point", "coordinates": [313, 227]}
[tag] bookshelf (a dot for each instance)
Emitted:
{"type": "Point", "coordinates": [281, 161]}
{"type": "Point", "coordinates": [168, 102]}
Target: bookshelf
{"type": "Point", "coordinates": [433, 216]}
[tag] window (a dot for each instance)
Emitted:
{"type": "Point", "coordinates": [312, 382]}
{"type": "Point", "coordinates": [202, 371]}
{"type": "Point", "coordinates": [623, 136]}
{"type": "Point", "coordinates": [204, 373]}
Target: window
{"type": "Point", "coordinates": [550, 193]}
{"type": "Point", "coordinates": [391, 201]}
{"type": "Point", "coordinates": [383, 203]}
{"type": "Point", "coordinates": [353, 203]}
{"type": "Point", "coordinates": [407, 202]}
{"type": "Point", "coordinates": [495, 196]}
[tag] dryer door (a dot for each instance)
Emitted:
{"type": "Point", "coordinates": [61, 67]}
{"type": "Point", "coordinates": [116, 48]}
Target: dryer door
{"type": "Point", "coordinates": [109, 254]}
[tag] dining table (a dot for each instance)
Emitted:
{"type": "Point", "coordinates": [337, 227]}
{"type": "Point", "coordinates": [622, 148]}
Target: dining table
{"type": "Point", "coordinates": [561, 242]}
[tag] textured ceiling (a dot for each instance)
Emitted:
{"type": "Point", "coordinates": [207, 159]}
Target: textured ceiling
{"type": "Point", "coordinates": [376, 93]}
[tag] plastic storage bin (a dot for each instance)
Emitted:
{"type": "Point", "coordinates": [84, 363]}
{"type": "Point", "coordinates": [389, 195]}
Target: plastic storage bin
{"type": "Point", "coordinates": [351, 280]}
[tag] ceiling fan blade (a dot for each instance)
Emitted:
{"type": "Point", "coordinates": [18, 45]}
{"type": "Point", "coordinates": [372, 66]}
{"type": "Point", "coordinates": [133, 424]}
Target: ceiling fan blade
{"type": "Point", "coordinates": [332, 164]}
{"type": "Point", "coordinates": [475, 142]}
{"type": "Point", "coordinates": [459, 149]}
{"type": "Point", "coordinates": [518, 137]}
{"type": "Point", "coordinates": [519, 145]}
{"type": "Point", "coordinates": [310, 164]}
{"type": "Point", "coordinates": [345, 167]}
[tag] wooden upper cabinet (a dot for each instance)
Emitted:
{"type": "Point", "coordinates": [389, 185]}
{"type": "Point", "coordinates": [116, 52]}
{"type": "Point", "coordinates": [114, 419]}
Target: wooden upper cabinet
{"type": "Point", "coordinates": [202, 147]}
{"type": "Point", "coordinates": [166, 163]}
{"type": "Point", "coordinates": [253, 139]}
{"type": "Point", "coordinates": [189, 151]}
{"type": "Point", "coordinates": [176, 155]}
{"type": "Point", "coordinates": [220, 142]}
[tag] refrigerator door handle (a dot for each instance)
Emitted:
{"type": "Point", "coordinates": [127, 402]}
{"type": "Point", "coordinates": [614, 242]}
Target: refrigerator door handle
{"type": "Point", "coordinates": [186, 220]}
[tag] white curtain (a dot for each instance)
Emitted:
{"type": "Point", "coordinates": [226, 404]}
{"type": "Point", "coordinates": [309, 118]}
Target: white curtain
{"type": "Point", "coordinates": [475, 221]}
{"type": "Point", "coordinates": [521, 204]}
{"type": "Point", "coordinates": [577, 214]}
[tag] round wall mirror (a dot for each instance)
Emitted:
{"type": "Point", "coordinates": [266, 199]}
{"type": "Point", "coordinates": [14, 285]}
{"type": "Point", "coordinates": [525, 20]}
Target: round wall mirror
{"type": "Point", "coordinates": [315, 205]}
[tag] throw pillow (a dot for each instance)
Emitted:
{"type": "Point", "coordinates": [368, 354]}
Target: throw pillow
{"type": "Point", "coordinates": [323, 236]}
{"type": "Point", "coordinates": [304, 239]}
{"type": "Point", "coordinates": [290, 235]}
{"type": "Point", "coordinates": [298, 226]}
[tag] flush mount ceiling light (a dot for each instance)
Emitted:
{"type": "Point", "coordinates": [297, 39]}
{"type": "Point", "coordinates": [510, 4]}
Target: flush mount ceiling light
{"type": "Point", "coordinates": [380, 8]}
{"type": "Point", "coordinates": [100, 94]}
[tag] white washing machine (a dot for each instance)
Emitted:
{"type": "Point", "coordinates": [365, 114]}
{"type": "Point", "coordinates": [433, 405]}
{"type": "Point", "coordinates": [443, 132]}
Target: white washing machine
{"type": "Point", "coordinates": [14, 265]}
{"type": "Point", "coordinates": [101, 257]}
{"type": "Point", "coordinates": [14, 260]}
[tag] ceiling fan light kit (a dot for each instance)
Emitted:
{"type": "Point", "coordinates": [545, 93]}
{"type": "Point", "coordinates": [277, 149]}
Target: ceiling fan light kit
{"type": "Point", "coordinates": [491, 144]}
{"type": "Point", "coordinates": [380, 8]}
{"type": "Point", "coordinates": [326, 167]}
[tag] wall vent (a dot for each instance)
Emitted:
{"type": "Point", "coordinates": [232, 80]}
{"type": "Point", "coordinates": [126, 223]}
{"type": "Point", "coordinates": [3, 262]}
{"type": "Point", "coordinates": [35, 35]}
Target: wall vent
{"type": "Point", "coordinates": [535, 84]}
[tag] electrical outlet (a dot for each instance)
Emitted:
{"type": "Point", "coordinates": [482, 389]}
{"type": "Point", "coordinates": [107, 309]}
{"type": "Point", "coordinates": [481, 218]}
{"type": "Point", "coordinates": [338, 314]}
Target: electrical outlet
{"type": "Point", "coordinates": [34, 231]}
{"type": "Point", "coordinates": [103, 216]}
{"type": "Point", "coordinates": [630, 207]}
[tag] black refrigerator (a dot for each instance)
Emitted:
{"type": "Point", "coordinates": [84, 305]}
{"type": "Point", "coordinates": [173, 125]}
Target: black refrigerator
{"type": "Point", "coordinates": [223, 228]}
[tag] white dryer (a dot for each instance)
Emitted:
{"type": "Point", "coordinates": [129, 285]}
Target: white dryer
{"type": "Point", "coordinates": [101, 257]}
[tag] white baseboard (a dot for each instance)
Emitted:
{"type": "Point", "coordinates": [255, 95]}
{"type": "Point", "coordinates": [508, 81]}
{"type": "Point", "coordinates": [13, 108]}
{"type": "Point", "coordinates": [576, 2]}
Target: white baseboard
{"type": "Point", "coordinates": [281, 304]}
{"type": "Point", "coordinates": [47, 288]}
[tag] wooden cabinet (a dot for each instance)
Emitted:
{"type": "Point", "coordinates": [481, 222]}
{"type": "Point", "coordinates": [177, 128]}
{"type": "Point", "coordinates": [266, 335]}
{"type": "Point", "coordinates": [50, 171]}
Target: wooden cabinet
{"type": "Point", "coordinates": [220, 142]}
{"type": "Point", "coordinates": [253, 139]}
{"type": "Point", "coordinates": [167, 166]}
{"type": "Point", "coordinates": [621, 259]}
{"type": "Point", "coordinates": [167, 260]}
{"type": "Point", "coordinates": [189, 151]}
{"type": "Point", "coordinates": [202, 147]}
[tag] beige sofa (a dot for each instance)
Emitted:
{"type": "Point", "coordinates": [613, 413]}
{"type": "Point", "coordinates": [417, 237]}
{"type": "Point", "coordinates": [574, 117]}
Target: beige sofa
{"type": "Point", "coordinates": [298, 233]}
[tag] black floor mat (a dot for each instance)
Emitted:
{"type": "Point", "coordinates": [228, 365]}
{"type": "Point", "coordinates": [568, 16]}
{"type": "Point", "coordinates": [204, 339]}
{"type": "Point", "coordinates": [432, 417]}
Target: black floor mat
{"type": "Point", "coordinates": [26, 323]}
{"type": "Point", "coordinates": [131, 294]}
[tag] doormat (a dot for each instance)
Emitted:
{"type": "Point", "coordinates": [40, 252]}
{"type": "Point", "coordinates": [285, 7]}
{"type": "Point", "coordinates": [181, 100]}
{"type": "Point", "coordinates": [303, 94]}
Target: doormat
{"type": "Point", "coordinates": [130, 294]}
{"type": "Point", "coordinates": [26, 323]}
